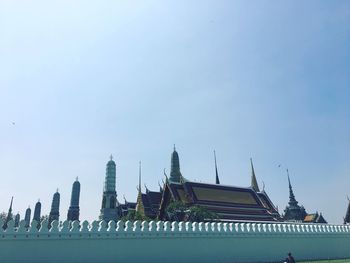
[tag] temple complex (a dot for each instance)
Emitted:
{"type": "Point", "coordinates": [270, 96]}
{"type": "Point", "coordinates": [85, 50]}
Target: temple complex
{"type": "Point", "coordinates": [227, 202]}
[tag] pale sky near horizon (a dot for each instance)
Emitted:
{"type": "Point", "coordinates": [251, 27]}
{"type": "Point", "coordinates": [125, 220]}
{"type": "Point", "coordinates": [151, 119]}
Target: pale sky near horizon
{"type": "Point", "coordinates": [263, 79]}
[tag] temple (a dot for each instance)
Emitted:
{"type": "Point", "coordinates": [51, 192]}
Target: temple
{"type": "Point", "coordinates": [110, 206]}
{"type": "Point", "coordinates": [296, 213]}
{"type": "Point", "coordinates": [73, 211]}
{"type": "Point", "coordinates": [227, 202]}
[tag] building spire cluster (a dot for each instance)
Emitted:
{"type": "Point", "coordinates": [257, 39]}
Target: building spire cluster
{"type": "Point", "coordinates": [176, 187]}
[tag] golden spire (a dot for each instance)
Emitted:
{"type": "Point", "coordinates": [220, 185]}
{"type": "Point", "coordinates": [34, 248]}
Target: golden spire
{"type": "Point", "coordinates": [254, 182]}
{"type": "Point", "coordinates": [139, 205]}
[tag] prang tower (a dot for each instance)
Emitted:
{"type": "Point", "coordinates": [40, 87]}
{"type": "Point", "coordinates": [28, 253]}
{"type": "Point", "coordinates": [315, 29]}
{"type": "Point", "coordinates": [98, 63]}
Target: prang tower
{"type": "Point", "coordinates": [55, 208]}
{"type": "Point", "coordinates": [37, 212]}
{"type": "Point", "coordinates": [110, 206]}
{"type": "Point", "coordinates": [73, 211]}
{"type": "Point", "coordinates": [27, 217]}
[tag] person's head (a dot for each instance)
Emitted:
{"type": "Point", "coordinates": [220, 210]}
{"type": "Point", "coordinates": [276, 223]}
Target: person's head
{"type": "Point", "coordinates": [289, 254]}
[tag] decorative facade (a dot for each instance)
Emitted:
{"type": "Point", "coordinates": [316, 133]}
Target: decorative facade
{"type": "Point", "coordinates": [110, 207]}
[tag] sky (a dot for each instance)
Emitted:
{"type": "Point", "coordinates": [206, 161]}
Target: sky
{"type": "Point", "coordinates": [81, 80]}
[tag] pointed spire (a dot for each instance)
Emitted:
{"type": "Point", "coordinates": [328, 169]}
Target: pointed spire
{"type": "Point", "coordinates": [139, 177]}
{"type": "Point", "coordinates": [139, 204]}
{"type": "Point", "coordinates": [10, 208]}
{"type": "Point", "coordinates": [217, 181]}
{"type": "Point", "coordinates": [111, 157]}
{"type": "Point", "coordinates": [254, 182]}
{"type": "Point", "coordinates": [292, 200]}
{"type": "Point", "coordinates": [9, 215]}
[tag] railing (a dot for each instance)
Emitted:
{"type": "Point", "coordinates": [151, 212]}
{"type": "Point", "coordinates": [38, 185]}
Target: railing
{"type": "Point", "coordinates": [102, 229]}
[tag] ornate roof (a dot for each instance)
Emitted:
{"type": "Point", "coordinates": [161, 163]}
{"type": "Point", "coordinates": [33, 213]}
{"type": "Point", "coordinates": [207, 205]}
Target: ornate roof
{"type": "Point", "coordinates": [228, 202]}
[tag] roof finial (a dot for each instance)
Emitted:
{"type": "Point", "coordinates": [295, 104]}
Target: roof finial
{"type": "Point", "coordinates": [57, 190]}
{"type": "Point", "coordinates": [174, 147]}
{"type": "Point", "coordinates": [217, 181]}
{"type": "Point", "coordinates": [111, 157]}
{"type": "Point", "coordinates": [77, 178]}
{"type": "Point", "coordinates": [140, 177]}
{"type": "Point", "coordinates": [254, 182]}
{"type": "Point", "coordinates": [166, 177]}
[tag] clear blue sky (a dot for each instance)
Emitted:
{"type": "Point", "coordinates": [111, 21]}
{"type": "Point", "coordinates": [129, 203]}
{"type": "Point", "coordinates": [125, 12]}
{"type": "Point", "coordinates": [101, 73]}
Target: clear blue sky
{"type": "Point", "coordinates": [263, 79]}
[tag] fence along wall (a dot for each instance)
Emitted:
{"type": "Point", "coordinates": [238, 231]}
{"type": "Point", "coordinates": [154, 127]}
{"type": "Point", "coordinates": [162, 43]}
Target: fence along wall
{"type": "Point", "coordinates": [171, 242]}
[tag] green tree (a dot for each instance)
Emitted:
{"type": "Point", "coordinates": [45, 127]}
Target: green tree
{"type": "Point", "coordinates": [199, 214]}
{"type": "Point", "coordinates": [176, 211]}
{"type": "Point", "coordinates": [133, 216]}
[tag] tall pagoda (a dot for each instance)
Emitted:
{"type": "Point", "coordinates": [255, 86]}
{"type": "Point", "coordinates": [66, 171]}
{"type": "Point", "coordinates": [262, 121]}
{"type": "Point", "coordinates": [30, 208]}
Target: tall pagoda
{"type": "Point", "coordinates": [293, 211]}
{"type": "Point", "coordinates": [110, 206]}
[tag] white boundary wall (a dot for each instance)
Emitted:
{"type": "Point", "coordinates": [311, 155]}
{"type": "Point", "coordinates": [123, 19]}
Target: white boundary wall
{"type": "Point", "coordinates": [155, 242]}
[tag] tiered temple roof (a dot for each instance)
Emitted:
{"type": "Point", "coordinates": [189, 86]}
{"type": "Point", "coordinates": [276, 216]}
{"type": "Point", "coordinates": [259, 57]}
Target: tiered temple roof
{"type": "Point", "coordinates": [228, 202]}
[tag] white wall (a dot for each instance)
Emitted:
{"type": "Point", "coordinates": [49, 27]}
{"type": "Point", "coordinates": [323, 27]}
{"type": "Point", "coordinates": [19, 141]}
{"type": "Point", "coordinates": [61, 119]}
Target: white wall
{"type": "Point", "coordinates": [173, 242]}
